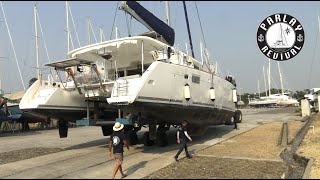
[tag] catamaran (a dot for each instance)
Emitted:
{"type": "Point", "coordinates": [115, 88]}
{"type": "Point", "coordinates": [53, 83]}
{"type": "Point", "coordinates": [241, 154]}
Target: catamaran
{"type": "Point", "coordinates": [144, 76]}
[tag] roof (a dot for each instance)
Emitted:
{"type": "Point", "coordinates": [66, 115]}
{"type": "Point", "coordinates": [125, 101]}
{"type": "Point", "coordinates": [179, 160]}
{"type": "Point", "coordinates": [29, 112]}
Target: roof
{"type": "Point", "coordinates": [14, 96]}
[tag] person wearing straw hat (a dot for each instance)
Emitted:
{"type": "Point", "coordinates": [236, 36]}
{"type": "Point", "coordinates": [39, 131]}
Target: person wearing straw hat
{"type": "Point", "coordinates": [117, 140]}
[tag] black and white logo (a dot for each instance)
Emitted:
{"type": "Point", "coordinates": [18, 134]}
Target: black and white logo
{"type": "Point", "coordinates": [280, 37]}
{"type": "Point", "coordinates": [115, 140]}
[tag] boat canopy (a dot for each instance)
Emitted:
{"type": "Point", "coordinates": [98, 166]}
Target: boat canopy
{"type": "Point", "coordinates": [149, 20]}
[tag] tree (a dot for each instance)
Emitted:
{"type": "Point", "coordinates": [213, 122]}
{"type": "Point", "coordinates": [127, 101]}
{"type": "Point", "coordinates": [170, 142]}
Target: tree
{"type": "Point", "coordinates": [31, 81]}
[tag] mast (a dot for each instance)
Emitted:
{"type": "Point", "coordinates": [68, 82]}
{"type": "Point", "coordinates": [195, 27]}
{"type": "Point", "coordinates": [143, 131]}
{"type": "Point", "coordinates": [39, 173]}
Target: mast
{"type": "Point", "coordinates": [168, 12]}
{"type": "Point", "coordinates": [280, 79]}
{"type": "Point", "coordinates": [269, 77]}
{"type": "Point", "coordinates": [68, 36]}
{"type": "Point", "coordinates": [201, 53]}
{"type": "Point", "coordinates": [264, 79]}
{"type": "Point", "coordinates": [259, 88]}
{"type": "Point", "coordinates": [89, 37]}
{"type": "Point", "coordinates": [216, 67]}
{"type": "Point", "coordinates": [116, 32]}
{"type": "Point", "coordinates": [36, 36]}
{"type": "Point", "coordinates": [187, 21]}
{"type": "Point", "coordinates": [100, 29]}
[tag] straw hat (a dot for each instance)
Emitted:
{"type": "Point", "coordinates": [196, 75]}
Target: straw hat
{"type": "Point", "coordinates": [118, 126]}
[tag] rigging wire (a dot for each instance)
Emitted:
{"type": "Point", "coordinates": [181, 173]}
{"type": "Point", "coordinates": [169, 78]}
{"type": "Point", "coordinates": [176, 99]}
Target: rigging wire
{"type": "Point", "coordinates": [314, 51]}
{"type": "Point", "coordinates": [74, 25]}
{"type": "Point", "coordinates": [14, 51]}
{"type": "Point", "coordinates": [94, 35]}
{"type": "Point", "coordinates": [204, 41]}
{"type": "Point", "coordinates": [44, 42]}
{"type": "Point", "coordinates": [114, 19]}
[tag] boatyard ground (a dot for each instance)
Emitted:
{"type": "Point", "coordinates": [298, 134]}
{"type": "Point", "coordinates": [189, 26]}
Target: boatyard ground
{"type": "Point", "coordinates": [223, 152]}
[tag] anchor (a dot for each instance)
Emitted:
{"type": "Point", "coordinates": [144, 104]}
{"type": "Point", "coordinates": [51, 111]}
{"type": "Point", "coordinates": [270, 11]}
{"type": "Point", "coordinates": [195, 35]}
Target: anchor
{"type": "Point", "coordinates": [300, 38]}
{"type": "Point", "coordinates": [260, 38]}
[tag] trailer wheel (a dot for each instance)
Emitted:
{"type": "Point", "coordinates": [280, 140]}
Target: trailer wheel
{"type": "Point", "coordinates": [146, 139]}
{"type": "Point", "coordinates": [238, 115]}
{"type": "Point", "coordinates": [162, 138]}
{"type": "Point", "coordinates": [230, 121]}
{"type": "Point", "coordinates": [133, 137]}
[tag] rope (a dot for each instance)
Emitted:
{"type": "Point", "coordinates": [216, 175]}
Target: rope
{"type": "Point", "coordinates": [114, 19]}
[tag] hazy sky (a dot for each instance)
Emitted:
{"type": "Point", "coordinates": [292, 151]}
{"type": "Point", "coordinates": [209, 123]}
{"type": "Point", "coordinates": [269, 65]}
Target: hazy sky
{"type": "Point", "coordinates": [229, 27]}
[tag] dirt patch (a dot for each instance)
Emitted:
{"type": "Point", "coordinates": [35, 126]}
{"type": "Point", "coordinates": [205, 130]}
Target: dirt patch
{"type": "Point", "coordinates": [212, 167]}
{"type": "Point", "coordinates": [21, 154]}
{"type": "Point", "coordinates": [310, 148]}
{"type": "Point", "coordinates": [260, 142]}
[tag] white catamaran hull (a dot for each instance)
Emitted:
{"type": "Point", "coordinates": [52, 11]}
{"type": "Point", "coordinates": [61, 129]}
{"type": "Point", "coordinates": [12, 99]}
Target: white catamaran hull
{"type": "Point", "coordinates": [159, 94]}
{"type": "Point", "coordinates": [54, 101]}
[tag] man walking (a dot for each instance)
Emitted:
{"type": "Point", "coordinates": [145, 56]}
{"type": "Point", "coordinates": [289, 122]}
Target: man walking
{"type": "Point", "coordinates": [117, 140]}
{"type": "Point", "coordinates": [182, 136]}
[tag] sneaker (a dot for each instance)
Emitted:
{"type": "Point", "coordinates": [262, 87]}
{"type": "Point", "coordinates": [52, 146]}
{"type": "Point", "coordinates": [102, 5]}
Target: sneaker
{"type": "Point", "coordinates": [175, 158]}
{"type": "Point", "coordinates": [189, 157]}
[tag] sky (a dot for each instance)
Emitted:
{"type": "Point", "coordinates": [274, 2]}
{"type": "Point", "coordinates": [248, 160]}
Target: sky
{"type": "Point", "coordinates": [229, 28]}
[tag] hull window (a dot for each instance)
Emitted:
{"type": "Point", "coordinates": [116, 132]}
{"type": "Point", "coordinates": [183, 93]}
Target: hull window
{"type": "Point", "coordinates": [196, 79]}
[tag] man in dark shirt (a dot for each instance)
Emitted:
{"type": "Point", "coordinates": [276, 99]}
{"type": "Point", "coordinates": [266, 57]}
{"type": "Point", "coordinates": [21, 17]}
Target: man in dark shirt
{"type": "Point", "coordinates": [117, 140]}
{"type": "Point", "coordinates": [182, 136]}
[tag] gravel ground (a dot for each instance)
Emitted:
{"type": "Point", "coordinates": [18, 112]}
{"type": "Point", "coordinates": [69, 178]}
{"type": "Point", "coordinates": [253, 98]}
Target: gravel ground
{"type": "Point", "coordinates": [212, 168]}
{"type": "Point", "coordinates": [310, 148]}
{"type": "Point", "coordinates": [260, 142]}
{"type": "Point", "coordinates": [21, 154]}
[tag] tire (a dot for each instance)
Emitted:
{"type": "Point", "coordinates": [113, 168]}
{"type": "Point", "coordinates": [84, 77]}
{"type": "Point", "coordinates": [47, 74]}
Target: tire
{"type": "Point", "coordinates": [63, 129]}
{"type": "Point", "coordinates": [238, 115]}
{"type": "Point", "coordinates": [230, 121]}
{"type": "Point", "coordinates": [133, 137]}
{"type": "Point", "coordinates": [146, 139]}
{"type": "Point", "coordinates": [162, 139]}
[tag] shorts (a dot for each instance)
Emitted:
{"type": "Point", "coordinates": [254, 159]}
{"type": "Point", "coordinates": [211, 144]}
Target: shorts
{"type": "Point", "coordinates": [118, 157]}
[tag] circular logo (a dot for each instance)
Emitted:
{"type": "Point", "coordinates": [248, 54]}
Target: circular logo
{"type": "Point", "coordinates": [115, 140]}
{"type": "Point", "coordinates": [280, 37]}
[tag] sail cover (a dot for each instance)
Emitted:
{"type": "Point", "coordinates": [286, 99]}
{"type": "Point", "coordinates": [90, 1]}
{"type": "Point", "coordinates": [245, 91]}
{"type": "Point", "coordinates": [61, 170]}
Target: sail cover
{"type": "Point", "coordinates": [149, 20]}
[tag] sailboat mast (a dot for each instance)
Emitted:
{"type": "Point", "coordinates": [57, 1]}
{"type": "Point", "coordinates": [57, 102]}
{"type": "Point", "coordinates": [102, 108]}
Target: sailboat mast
{"type": "Point", "coordinates": [168, 12]}
{"type": "Point", "coordinates": [116, 32]}
{"type": "Point", "coordinates": [280, 78]}
{"type": "Point", "coordinates": [264, 79]}
{"type": "Point", "coordinates": [201, 53]}
{"type": "Point", "coordinates": [68, 36]}
{"type": "Point", "coordinates": [36, 36]}
{"type": "Point", "coordinates": [259, 87]}
{"type": "Point", "coordinates": [186, 15]}
{"type": "Point", "coordinates": [100, 30]}
{"type": "Point", "coordinates": [89, 37]}
{"type": "Point", "coordinates": [269, 77]}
